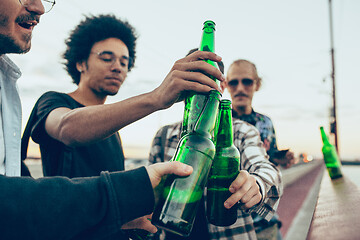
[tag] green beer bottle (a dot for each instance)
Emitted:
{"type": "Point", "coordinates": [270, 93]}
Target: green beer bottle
{"type": "Point", "coordinates": [224, 170]}
{"type": "Point", "coordinates": [195, 102]}
{"type": "Point", "coordinates": [331, 158]}
{"type": "Point", "coordinates": [178, 204]}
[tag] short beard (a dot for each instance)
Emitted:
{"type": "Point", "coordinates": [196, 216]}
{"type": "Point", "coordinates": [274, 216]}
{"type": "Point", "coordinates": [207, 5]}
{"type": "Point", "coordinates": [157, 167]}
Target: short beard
{"type": "Point", "coordinates": [8, 45]}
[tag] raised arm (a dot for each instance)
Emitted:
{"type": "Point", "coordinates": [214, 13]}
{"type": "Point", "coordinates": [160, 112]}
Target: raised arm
{"type": "Point", "coordinates": [89, 124]}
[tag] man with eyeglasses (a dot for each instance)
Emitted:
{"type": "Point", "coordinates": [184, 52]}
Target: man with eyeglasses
{"type": "Point", "coordinates": [77, 132]}
{"type": "Point", "coordinates": [242, 81]}
{"type": "Point", "coordinates": [79, 208]}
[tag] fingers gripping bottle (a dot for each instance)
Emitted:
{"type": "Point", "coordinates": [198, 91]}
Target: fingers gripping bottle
{"type": "Point", "coordinates": [195, 102]}
{"type": "Point", "coordinates": [224, 170]}
{"type": "Point", "coordinates": [179, 201]}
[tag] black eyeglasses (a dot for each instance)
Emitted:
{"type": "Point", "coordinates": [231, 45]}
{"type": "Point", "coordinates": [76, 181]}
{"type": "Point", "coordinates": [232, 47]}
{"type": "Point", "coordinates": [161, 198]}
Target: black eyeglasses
{"type": "Point", "coordinates": [110, 58]}
{"type": "Point", "coordinates": [247, 82]}
{"type": "Point", "coordinates": [48, 4]}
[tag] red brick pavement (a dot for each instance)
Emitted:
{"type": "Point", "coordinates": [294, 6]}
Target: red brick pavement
{"type": "Point", "coordinates": [294, 196]}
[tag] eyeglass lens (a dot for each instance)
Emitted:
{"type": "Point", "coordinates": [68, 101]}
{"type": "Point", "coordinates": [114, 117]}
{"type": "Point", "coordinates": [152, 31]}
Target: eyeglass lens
{"type": "Point", "coordinates": [110, 57]}
{"type": "Point", "coordinates": [48, 4]}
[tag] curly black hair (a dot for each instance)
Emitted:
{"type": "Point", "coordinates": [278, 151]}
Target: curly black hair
{"type": "Point", "coordinates": [94, 29]}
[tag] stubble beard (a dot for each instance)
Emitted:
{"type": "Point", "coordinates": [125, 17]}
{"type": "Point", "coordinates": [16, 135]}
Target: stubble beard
{"type": "Point", "coordinates": [8, 43]}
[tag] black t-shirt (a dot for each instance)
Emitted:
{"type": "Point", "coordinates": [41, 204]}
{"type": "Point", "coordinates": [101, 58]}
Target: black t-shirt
{"type": "Point", "coordinates": [61, 160]}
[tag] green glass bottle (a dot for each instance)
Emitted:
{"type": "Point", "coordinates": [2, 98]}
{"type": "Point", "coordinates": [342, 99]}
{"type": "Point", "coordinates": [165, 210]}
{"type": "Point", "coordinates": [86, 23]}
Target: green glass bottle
{"type": "Point", "coordinates": [224, 170]}
{"type": "Point", "coordinates": [331, 158]}
{"type": "Point", "coordinates": [178, 204]}
{"type": "Point", "coordinates": [195, 102]}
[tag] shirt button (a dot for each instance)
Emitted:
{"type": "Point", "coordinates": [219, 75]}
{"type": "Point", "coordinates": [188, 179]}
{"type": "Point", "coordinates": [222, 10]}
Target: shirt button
{"type": "Point", "coordinates": [14, 134]}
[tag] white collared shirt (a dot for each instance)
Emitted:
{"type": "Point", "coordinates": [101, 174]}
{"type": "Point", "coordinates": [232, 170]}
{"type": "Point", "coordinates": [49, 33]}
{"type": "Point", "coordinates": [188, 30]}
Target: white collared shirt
{"type": "Point", "coordinates": [10, 118]}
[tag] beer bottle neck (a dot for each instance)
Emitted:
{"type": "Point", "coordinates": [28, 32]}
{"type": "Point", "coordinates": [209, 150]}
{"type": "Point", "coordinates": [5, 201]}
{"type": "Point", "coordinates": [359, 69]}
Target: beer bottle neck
{"type": "Point", "coordinates": [224, 136]}
{"type": "Point", "coordinates": [201, 109]}
{"type": "Point", "coordinates": [208, 42]}
{"type": "Point", "coordinates": [324, 137]}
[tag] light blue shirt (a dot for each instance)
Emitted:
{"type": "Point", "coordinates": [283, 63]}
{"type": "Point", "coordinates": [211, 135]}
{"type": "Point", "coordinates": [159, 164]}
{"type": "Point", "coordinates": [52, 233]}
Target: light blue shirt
{"type": "Point", "coordinates": [10, 117]}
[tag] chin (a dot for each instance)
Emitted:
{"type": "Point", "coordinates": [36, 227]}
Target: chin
{"type": "Point", "coordinates": [239, 104]}
{"type": "Point", "coordinates": [112, 93]}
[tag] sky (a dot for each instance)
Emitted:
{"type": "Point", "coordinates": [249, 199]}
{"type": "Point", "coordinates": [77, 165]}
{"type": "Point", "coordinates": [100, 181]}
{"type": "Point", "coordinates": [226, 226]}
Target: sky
{"type": "Point", "coordinates": [289, 41]}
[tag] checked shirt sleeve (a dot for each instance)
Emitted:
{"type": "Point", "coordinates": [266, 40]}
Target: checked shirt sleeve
{"type": "Point", "coordinates": [255, 160]}
{"type": "Point", "coordinates": [164, 144]}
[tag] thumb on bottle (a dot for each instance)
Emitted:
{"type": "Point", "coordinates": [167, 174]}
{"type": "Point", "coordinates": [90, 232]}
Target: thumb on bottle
{"type": "Point", "coordinates": [158, 170]}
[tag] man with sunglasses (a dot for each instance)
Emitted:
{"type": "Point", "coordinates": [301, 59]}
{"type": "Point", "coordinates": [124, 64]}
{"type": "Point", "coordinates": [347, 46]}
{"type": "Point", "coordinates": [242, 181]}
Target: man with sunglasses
{"type": "Point", "coordinates": [258, 186]}
{"type": "Point", "coordinates": [242, 81]}
{"type": "Point", "coordinates": [79, 208]}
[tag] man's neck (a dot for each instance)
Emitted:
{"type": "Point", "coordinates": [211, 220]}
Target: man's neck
{"type": "Point", "coordinates": [87, 98]}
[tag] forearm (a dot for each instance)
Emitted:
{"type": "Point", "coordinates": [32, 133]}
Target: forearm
{"type": "Point", "coordinates": [87, 125]}
{"type": "Point", "coordinates": [60, 208]}
{"type": "Point", "coordinates": [255, 161]}
{"type": "Point", "coordinates": [268, 177]}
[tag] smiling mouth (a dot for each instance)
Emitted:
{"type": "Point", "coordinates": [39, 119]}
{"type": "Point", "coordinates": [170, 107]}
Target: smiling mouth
{"type": "Point", "coordinates": [28, 24]}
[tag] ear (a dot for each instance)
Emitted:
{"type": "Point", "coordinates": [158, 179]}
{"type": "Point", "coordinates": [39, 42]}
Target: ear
{"type": "Point", "coordinates": [258, 84]}
{"type": "Point", "coordinates": [80, 66]}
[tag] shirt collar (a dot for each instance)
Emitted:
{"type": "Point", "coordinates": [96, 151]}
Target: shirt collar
{"type": "Point", "coordinates": [9, 68]}
{"type": "Point", "coordinates": [251, 118]}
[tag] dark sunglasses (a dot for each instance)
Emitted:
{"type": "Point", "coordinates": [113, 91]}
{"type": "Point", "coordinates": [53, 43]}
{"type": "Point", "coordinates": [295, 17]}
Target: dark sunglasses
{"type": "Point", "coordinates": [247, 82]}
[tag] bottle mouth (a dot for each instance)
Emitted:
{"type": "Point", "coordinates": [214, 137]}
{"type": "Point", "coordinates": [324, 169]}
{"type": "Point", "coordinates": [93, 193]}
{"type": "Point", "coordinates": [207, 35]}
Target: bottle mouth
{"type": "Point", "coordinates": [209, 26]}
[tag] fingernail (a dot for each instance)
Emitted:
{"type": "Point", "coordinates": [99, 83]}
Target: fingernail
{"type": "Point", "coordinates": [187, 169]}
{"type": "Point", "coordinates": [226, 205]}
{"type": "Point", "coordinates": [232, 189]}
{"type": "Point", "coordinates": [223, 77]}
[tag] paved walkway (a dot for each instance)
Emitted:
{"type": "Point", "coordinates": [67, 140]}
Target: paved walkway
{"type": "Point", "coordinates": [295, 196]}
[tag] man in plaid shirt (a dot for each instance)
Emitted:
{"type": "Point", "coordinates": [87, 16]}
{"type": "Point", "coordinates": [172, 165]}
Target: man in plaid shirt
{"type": "Point", "coordinates": [254, 160]}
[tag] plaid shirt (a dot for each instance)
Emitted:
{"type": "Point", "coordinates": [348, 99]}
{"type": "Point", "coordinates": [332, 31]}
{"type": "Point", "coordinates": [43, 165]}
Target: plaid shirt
{"type": "Point", "coordinates": [253, 159]}
{"type": "Point", "coordinates": [266, 129]}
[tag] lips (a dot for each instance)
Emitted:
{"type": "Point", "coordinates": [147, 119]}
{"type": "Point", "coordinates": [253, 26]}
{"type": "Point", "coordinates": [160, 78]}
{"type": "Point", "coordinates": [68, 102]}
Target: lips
{"type": "Point", "coordinates": [115, 78]}
{"type": "Point", "coordinates": [28, 24]}
{"type": "Point", "coordinates": [27, 21]}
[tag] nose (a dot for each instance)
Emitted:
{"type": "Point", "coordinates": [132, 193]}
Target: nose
{"type": "Point", "coordinates": [35, 6]}
{"type": "Point", "coordinates": [239, 87]}
{"type": "Point", "coordinates": [117, 66]}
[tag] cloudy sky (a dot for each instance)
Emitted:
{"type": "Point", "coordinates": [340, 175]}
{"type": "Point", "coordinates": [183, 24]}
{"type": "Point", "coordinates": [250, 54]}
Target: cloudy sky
{"type": "Point", "coordinates": [289, 41]}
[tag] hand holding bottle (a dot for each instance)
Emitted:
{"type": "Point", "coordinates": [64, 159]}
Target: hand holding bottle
{"type": "Point", "coordinates": [141, 223]}
{"type": "Point", "coordinates": [286, 160]}
{"type": "Point", "coordinates": [158, 170]}
{"type": "Point", "coordinates": [188, 74]}
{"type": "Point", "coordinates": [245, 190]}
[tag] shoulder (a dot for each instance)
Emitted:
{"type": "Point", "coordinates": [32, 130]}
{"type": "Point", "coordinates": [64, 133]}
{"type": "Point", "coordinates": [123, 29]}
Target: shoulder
{"type": "Point", "coordinates": [54, 99]}
{"type": "Point", "coordinates": [52, 94]}
{"type": "Point", "coordinates": [263, 118]}
{"type": "Point", "coordinates": [242, 125]}
{"type": "Point", "coordinates": [170, 130]}
{"type": "Point", "coordinates": [244, 128]}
